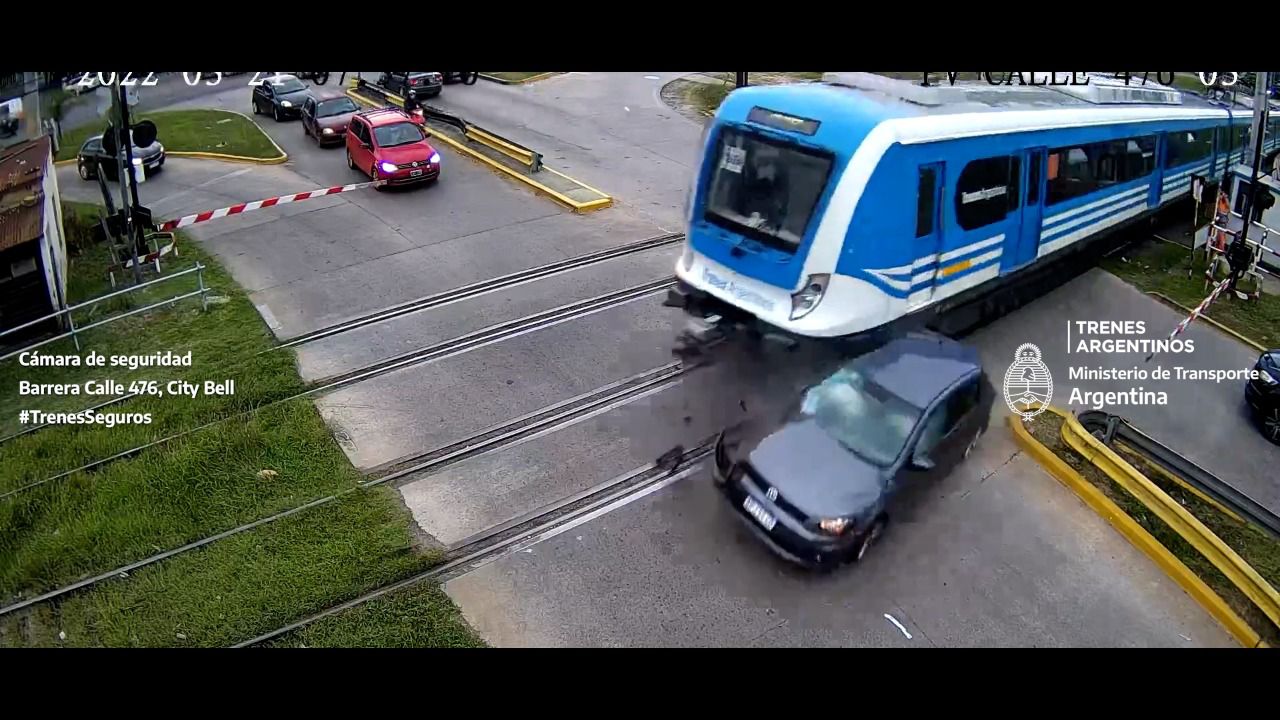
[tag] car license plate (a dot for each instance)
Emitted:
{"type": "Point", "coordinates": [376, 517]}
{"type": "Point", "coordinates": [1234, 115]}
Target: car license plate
{"type": "Point", "coordinates": [761, 515]}
{"type": "Point", "coordinates": [415, 173]}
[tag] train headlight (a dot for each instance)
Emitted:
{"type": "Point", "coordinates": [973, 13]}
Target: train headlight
{"type": "Point", "coordinates": [803, 302]}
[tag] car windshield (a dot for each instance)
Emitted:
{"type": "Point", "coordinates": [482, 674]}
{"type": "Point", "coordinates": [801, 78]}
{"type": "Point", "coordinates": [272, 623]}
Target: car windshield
{"type": "Point", "coordinates": [402, 133]}
{"type": "Point", "coordinates": [765, 189]}
{"type": "Point", "coordinates": [866, 419]}
{"type": "Point", "coordinates": [284, 87]}
{"type": "Point", "coordinates": [340, 106]}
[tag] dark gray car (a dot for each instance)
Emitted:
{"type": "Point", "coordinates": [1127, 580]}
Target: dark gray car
{"type": "Point", "coordinates": [92, 159]}
{"type": "Point", "coordinates": [280, 96]}
{"type": "Point", "coordinates": [820, 485]}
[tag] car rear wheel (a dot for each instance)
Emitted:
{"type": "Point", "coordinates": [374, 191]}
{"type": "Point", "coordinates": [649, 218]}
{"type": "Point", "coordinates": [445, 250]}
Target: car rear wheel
{"type": "Point", "coordinates": [870, 538]}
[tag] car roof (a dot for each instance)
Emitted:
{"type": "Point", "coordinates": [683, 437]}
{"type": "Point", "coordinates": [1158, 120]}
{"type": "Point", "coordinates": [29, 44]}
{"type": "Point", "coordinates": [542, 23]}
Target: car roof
{"type": "Point", "coordinates": [322, 95]}
{"type": "Point", "coordinates": [918, 367]}
{"type": "Point", "coordinates": [385, 116]}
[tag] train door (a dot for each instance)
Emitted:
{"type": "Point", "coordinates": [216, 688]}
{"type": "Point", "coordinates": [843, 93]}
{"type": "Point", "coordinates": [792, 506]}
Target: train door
{"type": "Point", "coordinates": [1157, 172]}
{"type": "Point", "coordinates": [928, 230]}
{"type": "Point", "coordinates": [1032, 211]}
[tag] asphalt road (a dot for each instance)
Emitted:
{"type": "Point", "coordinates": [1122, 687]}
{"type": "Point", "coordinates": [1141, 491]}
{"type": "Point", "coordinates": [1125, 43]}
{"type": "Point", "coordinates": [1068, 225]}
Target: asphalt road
{"type": "Point", "coordinates": [999, 555]}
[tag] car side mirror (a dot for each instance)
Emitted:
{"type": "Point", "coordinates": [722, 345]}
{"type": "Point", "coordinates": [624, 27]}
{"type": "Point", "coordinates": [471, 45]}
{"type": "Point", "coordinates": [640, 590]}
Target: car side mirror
{"type": "Point", "coordinates": [922, 463]}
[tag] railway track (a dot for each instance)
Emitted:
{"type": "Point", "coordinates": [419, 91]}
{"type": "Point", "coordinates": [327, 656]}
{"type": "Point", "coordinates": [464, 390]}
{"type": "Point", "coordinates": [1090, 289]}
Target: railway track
{"type": "Point", "coordinates": [529, 529]}
{"type": "Point", "coordinates": [509, 433]}
{"type": "Point", "coordinates": [449, 348]}
{"type": "Point", "coordinates": [428, 302]}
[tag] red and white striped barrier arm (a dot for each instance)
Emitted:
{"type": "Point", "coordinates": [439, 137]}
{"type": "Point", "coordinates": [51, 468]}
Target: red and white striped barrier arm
{"type": "Point", "coordinates": [1199, 309]}
{"type": "Point", "coordinates": [258, 204]}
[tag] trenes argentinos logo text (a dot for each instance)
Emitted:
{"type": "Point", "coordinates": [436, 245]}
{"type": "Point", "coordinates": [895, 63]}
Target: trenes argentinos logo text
{"type": "Point", "coordinates": [1028, 386]}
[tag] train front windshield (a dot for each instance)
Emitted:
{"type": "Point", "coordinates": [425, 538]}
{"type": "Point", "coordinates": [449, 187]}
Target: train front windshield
{"type": "Point", "coordinates": [765, 189]}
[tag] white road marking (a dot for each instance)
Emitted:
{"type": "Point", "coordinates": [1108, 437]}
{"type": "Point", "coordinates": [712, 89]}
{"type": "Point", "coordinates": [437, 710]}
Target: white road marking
{"type": "Point", "coordinates": [652, 77]}
{"type": "Point", "coordinates": [624, 107]}
{"type": "Point", "coordinates": [894, 620]}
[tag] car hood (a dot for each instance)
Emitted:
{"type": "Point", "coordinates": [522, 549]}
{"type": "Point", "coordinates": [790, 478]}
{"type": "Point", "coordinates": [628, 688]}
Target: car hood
{"type": "Point", "coordinates": [297, 97]}
{"type": "Point", "coordinates": [335, 122]}
{"type": "Point", "coordinates": [401, 154]}
{"type": "Point", "coordinates": [815, 473]}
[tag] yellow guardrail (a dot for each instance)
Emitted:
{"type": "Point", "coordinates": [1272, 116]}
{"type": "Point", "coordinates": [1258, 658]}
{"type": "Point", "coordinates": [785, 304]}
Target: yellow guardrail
{"type": "Point", "coordinates": [1135, 533]}
{"type": "Point", "coordinates": [1170, 511]}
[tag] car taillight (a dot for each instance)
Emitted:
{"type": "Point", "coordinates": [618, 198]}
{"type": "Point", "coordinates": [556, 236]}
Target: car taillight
{"type": "Point", "coordinates": [413, 82]}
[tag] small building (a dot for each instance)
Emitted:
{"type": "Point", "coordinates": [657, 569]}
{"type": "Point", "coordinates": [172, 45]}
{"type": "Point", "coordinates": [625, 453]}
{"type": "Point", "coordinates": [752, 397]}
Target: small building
{"type": "Point", "coordinates": [33, 252]}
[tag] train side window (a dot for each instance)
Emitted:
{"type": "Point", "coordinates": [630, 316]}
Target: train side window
{"type": "Point", "coordinates": [984, 192]}
{"type": "Point", "coordinates": [1187, 146]}
{"type": "Point", "coordinates": [925, 201]}
{"type": "Point", "coordinates": [1070, 175]}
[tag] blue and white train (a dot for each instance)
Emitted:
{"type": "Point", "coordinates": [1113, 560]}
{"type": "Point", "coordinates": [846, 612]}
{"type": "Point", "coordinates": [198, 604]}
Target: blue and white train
{"type": "Point", "coordinates": [834, 208]}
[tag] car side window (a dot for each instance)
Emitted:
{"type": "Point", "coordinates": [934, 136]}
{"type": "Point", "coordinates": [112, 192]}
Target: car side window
{"type": "Point", "coordinates": [961, 402]}
{"type": "Point", "coordinates": [935, 428]}
{"type": "Point", "coordinates": [92, 146]}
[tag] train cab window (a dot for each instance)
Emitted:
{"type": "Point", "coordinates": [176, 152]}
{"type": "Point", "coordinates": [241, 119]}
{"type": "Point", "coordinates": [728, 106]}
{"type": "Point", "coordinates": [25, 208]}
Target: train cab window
{"type": "Point", "coordinates": [925, 201]}
{"type": "Point", "coordinates": [765, 189]}
{"type": "Point", "coordinates": [986, 190]}
{"type": "Point", "coordinates": [1183, 147]}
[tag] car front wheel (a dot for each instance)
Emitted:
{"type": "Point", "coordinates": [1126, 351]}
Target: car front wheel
{"type": "Point", "coordinates": [275, 112]}
{"type": "Point", "coordinates": [350, 163]}
{"type": "Point", "coordinates": [870, 538]}
{"type": "Point", "coordinates": [84, 172]}
{"type": "Point", "coordinates": [1271, 425]}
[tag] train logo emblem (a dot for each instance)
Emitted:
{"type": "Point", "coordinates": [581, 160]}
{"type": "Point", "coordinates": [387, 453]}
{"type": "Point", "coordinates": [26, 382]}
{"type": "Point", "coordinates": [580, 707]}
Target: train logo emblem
{"type": "Point", "coordinates": [1028, 386]}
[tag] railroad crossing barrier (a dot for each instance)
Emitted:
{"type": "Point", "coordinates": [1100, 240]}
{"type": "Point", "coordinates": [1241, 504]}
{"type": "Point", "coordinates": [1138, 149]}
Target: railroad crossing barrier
{"type": "Point", "coordinates": [188, 220]}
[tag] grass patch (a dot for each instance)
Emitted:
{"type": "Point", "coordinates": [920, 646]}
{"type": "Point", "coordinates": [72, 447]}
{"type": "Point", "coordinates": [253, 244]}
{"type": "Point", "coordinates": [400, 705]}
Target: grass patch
{"type": "Point", "coordinates": [413, 617]}
{"type": "Point", "coordinates": [191, 488]}
{"type": "Point", "coordinates": [514, 76]}
{"type": "Point", "coordinates": [1155, 266]}
{"type": "Point", "coordinates": [1255, 546]}
{"type": "Point", "coordinates": [198, 130]}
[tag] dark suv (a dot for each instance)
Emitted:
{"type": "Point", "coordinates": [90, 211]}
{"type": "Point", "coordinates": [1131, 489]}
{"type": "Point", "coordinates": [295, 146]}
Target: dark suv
{"type": "Point", "coordinates": [819, 485]}
{"type": "Point", "coordinates": [1263, 394]}
{"type": "Point", "coordinates": [412, 85]}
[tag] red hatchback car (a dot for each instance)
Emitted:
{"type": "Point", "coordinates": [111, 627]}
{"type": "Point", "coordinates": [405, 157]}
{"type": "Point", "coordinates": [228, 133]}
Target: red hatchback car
{"type": "Point", "coordinates": [389, 144]}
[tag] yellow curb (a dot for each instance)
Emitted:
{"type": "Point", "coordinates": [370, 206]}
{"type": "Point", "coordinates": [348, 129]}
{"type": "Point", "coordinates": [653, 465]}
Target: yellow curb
{"type": "Point", "coordinates": [1135, 534]}
{"type": "Point", "coordinates": [228, 158]}
{"type": "Point", "coordinates": [1172, 513]}
{"type": "Point", "coordinates": [578, 207]}
{"type": "Point", "coordinates": [1209, 320]}
{"type": "Point", "coordinates": [531, 78]}
{"type": "Point", "coordinates": [1185, 485]}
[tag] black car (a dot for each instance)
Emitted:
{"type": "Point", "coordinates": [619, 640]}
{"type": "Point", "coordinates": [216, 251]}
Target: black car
{"type": "Point", "coordinates": [412, 85]}
{"type": "Point", "coordinates": [280, 96]}
{"type": "Point", "coordinates": [820, 485]}
{"type": "Point", "coordinates": [1263, 394]}
{"type": "Point", "coordinates": [92, 159]}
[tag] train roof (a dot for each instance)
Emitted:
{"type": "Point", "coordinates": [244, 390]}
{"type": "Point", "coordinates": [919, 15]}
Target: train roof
{"type": "Point", "coordinates": [911, 98]}
{"type": "Point", "coordinates": [848, 106]}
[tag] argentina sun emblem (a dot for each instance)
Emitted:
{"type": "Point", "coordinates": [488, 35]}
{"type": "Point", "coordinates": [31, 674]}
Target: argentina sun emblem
{"type": "Point", "coordinates": [1028, 386]}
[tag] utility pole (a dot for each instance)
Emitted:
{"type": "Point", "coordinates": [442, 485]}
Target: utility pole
{"type": "Point", "coordinates": [1239, 256]}
{"type": "Point", "coordinates": [124, 163]}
